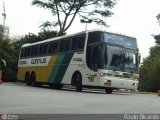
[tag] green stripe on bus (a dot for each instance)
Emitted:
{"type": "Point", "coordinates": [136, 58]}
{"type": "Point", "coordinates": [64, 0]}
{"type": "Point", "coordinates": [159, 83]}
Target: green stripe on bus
{"type": "Point", "coordinates": [60, 68]}
{"type": "Point", "coordinates": [55, 68]}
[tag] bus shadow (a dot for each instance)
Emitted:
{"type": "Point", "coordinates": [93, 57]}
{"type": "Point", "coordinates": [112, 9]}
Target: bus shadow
{"type": "Point", "coordinates": [88, 90]}
{"type": "Point", "coordinates": [85, 90]}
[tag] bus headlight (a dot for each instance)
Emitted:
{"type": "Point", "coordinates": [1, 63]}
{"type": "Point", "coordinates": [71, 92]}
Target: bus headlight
{"type": "Point", "coordinates": [101, 74]}
{"type": "Point", "coordinates": [134, 84]}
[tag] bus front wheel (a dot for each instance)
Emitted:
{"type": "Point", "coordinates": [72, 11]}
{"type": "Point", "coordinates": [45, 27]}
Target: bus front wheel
{"type": "Point", "coordinates": [109, 90]}
{"type": "Point", "coordinates": [78, 82]}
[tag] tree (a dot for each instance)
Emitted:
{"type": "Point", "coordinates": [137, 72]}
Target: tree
{"type": "Point", "coordinates": [149, 71]}
{"type": "Point", "coordinates": [157, 37]}
{"type": "Point", "coordinates": [158, 18]}
{"type": "Point", "coordinates": [66, 11]}
{"type": "Point", "coordinates": [7, 53]}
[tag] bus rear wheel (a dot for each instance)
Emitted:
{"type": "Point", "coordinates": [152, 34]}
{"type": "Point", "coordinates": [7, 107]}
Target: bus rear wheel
{"type": "Point", "coordinates": [27, 79]}
{"type": "Point", "coordinates": [108, 90]}
{"type": "Point", "coordinates": [33, 80]}
{"type": "Point", "coordinates": [78, 82]}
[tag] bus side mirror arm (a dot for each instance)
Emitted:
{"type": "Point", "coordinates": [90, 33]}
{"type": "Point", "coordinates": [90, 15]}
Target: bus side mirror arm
{"type": "Point", "coordinates": [3, 62]}
{"type": "Point", "coordinates": [139, 58]}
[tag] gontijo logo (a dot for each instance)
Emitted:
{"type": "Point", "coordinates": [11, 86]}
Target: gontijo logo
{"type": "Point", "coordinates": [39, 61]}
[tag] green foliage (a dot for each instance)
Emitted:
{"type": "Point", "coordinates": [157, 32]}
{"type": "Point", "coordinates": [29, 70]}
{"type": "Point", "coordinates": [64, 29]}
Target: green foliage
{"type": "Point", "coordinates": [150, 71]}
{"type": "Point", "coordinates": [66, 11]}
{"type": "Point", "coordinates": [157, 38]}
{"type": "Point", "coordinates": [9, 51]}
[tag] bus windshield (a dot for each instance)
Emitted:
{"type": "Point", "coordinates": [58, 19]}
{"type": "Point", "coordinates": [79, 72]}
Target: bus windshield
{"type": "Point", "coordinates": [112, 52]}
{"type": "Point", "coordinates": [120, 59]}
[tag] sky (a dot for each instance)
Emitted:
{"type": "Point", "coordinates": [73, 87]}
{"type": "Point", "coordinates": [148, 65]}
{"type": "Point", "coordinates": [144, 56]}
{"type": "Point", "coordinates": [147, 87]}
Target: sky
{"type": "Point", "coordinates": [131, 17]}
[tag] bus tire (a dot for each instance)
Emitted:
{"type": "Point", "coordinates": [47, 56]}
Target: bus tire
{"type": "Point", "coordinates": [27, 79]}
{"type": "Point", "coordinates": [78, 81]}
{"type": "Point", "coordinates": [108, 90]}
{"type": "Point", "coordinates": [33, 80]}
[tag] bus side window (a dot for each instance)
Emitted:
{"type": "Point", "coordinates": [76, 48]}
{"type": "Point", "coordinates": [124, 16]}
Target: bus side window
{"type": "Point", "coordinates": [64, 45]}
{"type": "Point", "coordinates": [43, 49]}
{"type": "Point", "coordinates": [53, 47]}
{"type": "Point", "coordinates": [94, 37]}
{"type": "Point", "coordinates": [74, 43]}
{"type": "Point", "coordinates": [78, 43]}
{"type": "Point", "coordinates": [27, 52]}
{"type": "Point", "coordinates": [95, 58]}
{"type": "Point", "coordinates": [81, 42]}
{"type": "Point", "coordinates": [34, 50]}
{"type": "Point", "coordinates": [22, 53]}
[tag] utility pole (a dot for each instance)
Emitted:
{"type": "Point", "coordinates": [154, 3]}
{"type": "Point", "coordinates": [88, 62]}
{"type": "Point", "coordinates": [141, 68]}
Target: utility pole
{"type": "Point", "coordinates": [4, 28]}
{"type": "Point", "coordinates": [86, 22]}
{"type": "Point", "coordinates": [4, 15]}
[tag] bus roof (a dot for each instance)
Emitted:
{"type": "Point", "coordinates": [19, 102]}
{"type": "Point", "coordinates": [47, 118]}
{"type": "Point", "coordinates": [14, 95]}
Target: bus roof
{"type": "Point", "coordinates": [72, 35]}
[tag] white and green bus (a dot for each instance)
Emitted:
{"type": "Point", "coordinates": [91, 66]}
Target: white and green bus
{"type": "Point", "coordinates": [89, 59]}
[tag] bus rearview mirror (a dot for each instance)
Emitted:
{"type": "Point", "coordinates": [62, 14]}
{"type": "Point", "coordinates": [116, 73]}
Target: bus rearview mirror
{"type": "Point", "coordinates": [139, 58]}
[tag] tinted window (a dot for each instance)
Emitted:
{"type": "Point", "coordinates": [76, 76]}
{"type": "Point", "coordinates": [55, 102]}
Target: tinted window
{"type": "Point", "coordinates": [95, 57]}
{"type": "Point", "coordinates": [130, 61]}
{"type": "Point", "coordinates": [114, 39]}
{"type": "Point", "coordinates": [115, 58]}
{"type": "Point", "coordinates": [78, 43]}
{"type": "Point", "coordinates": [43, 49]}
{"type": "Point", "coordinates": [120, 40]}
{"type": "Point", "coordinates": [34, 50]}
{"type": "Point", "coordinates": [133, 43]}
{"type": "Point", "coordinates": [27, 51]}
{"type": "Point", "coordinates": [53, 47]}
{"type": "Point", "coordinates": [22, 53]}
{"type": "Point", "coordinates": [64, 45]}
{"type": "Point", "coordinates": [94, 37]}
{"type": "Point", "coordinates": [121, 59]}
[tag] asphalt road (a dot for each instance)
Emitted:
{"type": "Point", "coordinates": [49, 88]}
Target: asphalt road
{"type": "Point", "coordinates": [17, 98]}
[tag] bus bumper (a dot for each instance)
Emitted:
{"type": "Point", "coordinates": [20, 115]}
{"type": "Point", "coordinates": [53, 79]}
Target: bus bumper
{"type": "Point", "coordinates": [118, 83]}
